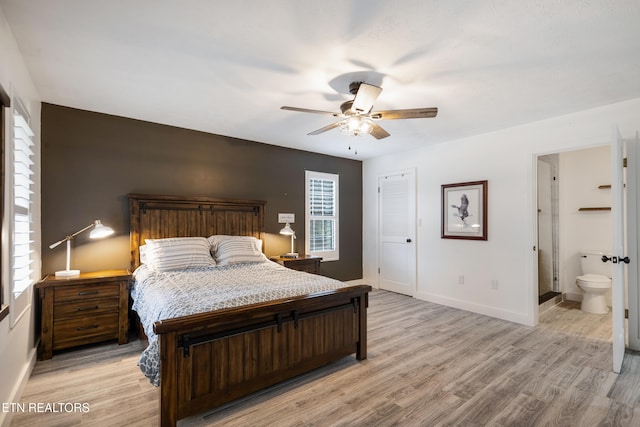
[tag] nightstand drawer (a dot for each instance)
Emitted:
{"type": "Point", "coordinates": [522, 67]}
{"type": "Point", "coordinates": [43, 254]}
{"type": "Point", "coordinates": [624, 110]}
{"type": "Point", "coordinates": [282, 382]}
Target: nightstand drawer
{"type": "Point", "coordinates": [84, 292]}
{"type": "Point", "coordinates": [85, 308]}
{"type": "Point", "coordinates": [309, 267]}
{"type": "Point", "coordinates": [84, 330]}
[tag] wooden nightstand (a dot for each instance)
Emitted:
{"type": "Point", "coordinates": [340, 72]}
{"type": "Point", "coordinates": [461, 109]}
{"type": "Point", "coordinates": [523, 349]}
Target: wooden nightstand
{"type": "Point", "coordinates": [83, 309]}
{"type": "Point", "coordinates": [308, 263]}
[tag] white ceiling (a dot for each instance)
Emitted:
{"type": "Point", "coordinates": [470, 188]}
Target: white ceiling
{"type": "Point", "coordinates": [226, 67]}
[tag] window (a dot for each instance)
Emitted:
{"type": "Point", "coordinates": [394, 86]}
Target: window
{"type": "Point", "coordinates": [4, 103]}
{"type": "Point", "coordinates": [321, 219]}
{"type": "Point", "coordinates": [22, 199]}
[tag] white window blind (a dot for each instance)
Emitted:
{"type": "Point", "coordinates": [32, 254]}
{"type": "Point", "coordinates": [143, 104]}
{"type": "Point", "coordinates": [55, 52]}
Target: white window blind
{"type": "Point", "coordinates": [322, 215]}
{"type": "Point", "coordinates": [23, 250]}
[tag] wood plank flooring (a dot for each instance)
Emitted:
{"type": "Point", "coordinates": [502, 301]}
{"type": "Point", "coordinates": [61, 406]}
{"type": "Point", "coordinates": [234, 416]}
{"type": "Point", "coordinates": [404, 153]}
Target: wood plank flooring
{"type": "Point", "coordinates": [428, 365]}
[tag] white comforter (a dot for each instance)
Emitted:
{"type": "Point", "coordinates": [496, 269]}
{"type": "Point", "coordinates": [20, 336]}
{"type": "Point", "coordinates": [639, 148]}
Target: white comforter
{"type": "Point", "coordinates": [157, 296]}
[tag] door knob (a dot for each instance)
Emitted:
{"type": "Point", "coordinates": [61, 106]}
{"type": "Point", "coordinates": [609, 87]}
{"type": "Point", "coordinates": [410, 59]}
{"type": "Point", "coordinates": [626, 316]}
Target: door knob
{"type": "Point", "coordinates": [408, 240]}
{"type": "Point", "coordinates": [606, 258]}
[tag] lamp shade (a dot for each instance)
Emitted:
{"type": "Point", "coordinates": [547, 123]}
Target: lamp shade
{"type": "Point", "coordinates": [287, 230]}
{"type": "Point", "coordinates": [99, 230]}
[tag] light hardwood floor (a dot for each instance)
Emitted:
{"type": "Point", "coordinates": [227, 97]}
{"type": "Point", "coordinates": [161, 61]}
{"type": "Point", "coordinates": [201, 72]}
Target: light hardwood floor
{"type": "Point", "coordinates": [428, 365]}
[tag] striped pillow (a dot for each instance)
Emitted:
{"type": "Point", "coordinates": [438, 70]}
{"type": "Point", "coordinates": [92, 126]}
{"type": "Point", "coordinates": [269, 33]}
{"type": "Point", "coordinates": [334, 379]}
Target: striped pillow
{"type": "Point", "coordinates": [178, 253]}
{"type": "Point", "coordinates": [236, 249]}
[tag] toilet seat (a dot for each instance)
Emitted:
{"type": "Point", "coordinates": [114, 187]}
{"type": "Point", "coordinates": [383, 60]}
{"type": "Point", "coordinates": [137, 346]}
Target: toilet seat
{"type": "Point", "coordinates": [594, 281]}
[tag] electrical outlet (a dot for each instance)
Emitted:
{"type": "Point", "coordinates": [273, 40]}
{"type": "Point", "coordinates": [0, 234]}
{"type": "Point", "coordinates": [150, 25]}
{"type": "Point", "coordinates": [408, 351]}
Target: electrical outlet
{"type": "Point", "coordinates": [460, 280]}
{"type": "Point", "coordinates": [494, 284]}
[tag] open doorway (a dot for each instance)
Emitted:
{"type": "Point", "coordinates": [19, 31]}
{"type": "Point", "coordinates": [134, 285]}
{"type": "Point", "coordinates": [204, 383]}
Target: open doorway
{"type": "Point", "coordinates": [574, 217]}
{"type": "Point", "coordinates": [548, 221]}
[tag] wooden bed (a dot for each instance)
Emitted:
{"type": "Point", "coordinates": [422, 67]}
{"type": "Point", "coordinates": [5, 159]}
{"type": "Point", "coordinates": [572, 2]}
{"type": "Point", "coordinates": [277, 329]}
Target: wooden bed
{"type": "Point", "coordinates": [212, 358]}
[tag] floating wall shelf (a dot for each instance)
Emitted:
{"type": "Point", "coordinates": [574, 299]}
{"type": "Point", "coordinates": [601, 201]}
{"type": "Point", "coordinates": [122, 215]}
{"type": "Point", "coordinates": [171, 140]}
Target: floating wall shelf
{"type": "Point", "coordinates": [604, 208]}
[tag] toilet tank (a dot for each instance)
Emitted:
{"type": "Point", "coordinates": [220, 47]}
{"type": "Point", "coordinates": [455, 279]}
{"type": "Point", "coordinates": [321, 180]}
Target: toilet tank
{"type": "Point", "coordinates": [591, 263]}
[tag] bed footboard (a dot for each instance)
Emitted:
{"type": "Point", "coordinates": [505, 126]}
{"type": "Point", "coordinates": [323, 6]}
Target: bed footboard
{"type": "Point", "coordinates": [213, 358]}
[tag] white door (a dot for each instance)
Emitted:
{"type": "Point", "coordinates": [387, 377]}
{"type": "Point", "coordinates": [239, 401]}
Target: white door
{"type": "Point", "coordinates": [397, 219]}
{"type": "Point", "coordinates": [633, 237]}
{"type": "Point", "coordinates": [617, 216]}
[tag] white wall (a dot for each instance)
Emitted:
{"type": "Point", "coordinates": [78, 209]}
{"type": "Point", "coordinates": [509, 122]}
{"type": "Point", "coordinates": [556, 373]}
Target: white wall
{"type": "Point", "coordinates": [17, 352]}
{"type": "Point", "coordinates": [581, 172]}
{"type": "Point", "coordinates": [506, 159]}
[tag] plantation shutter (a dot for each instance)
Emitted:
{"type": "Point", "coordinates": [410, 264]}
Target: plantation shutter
{"type": "Point", "coordinates": [23, 250]}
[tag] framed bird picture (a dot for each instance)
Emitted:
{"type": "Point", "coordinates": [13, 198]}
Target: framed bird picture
{"type": "Point", "coordinates": [464, 210]}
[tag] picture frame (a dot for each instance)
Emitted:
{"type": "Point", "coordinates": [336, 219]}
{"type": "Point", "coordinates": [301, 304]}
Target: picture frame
{"type": "Point", "coordinates": [464, 211]}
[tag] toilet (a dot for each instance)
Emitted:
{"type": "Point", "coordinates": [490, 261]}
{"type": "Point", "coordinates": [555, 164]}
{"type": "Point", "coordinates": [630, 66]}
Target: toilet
{"type": "Point", "coordinates": [594, 282]}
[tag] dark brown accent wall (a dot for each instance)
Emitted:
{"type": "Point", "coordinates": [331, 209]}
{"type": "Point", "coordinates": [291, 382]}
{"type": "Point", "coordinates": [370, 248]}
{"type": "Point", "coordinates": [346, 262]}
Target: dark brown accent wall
{"type": "Point", "coordinates": [91, 161]}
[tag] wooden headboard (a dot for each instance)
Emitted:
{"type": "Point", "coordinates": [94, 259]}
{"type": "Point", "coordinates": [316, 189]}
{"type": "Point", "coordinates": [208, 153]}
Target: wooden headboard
{"type": "Point", "coordinates": [159, 216]}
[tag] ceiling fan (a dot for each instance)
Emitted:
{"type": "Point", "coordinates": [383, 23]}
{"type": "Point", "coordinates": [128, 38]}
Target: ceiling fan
{"type": "Point", "coordinates": [356, 116]}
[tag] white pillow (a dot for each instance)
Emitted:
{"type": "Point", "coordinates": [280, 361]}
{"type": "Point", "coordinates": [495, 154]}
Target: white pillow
{"type": "Point", "coordinates": [236, 249]}
{"type": "Point", "coordinates": [178, 253]}
{"type": "Point", "coordinates": [143, 254]}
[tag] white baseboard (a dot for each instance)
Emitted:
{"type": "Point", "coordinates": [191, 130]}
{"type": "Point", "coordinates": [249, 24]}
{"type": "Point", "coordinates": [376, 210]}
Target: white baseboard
{"type": "Point", "coordinates": [476, 308]}
{"type": "Point", "coordinates": [16, 393]}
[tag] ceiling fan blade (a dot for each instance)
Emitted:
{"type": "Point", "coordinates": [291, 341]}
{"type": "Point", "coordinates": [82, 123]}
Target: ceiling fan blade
{"type": "Point", "coordinates": [410, 113]}
{"type": "Point", "coordinates": [324, 129]}
{"type": "Point", "coordinates": [306, 110]}
{"type": "Point", "coordinates": [377, 132]}
{"type": "Point", "coordinates": [365, 97]}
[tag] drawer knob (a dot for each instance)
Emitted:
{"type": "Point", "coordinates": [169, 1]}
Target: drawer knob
{"type": "Point", "coordinates": [88, 293]}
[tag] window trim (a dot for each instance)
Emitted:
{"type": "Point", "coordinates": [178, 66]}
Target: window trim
{"type": "Point", "coordinates": [5, 103]}
{"type": "Point", "coordinates": [333, 255]}
{"type": "Point", "coordinates": [22, 202]}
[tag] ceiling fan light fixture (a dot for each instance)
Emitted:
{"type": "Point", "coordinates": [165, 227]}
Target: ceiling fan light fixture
{"type": "Point", "coordinates": [366, 125]}
{"type": "Point", "coordinates": [356, 125]}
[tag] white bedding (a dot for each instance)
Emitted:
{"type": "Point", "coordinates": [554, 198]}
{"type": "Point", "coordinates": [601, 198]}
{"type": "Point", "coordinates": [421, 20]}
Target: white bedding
{"type": "Point", "coordinates": [163, 295]}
